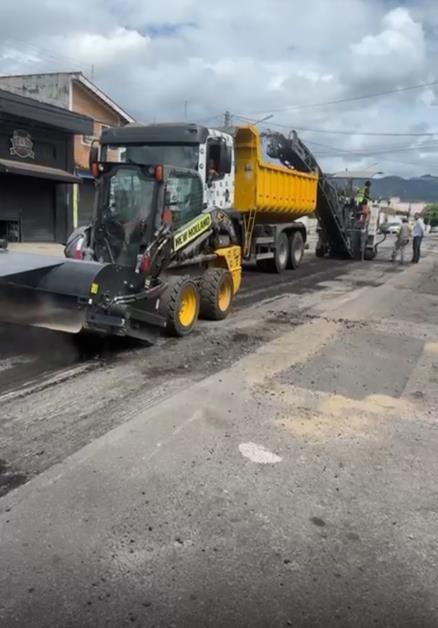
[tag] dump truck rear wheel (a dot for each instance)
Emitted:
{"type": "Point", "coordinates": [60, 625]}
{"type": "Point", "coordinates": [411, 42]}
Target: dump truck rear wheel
{"type": "Point", "coordinates": [216, 294]}
{"type": "Point", "coordinates": [296, 250]}
{"type": "Point", "coordinates": [281, 256]}
{"type": "Point", "coordinates": [180, 305]}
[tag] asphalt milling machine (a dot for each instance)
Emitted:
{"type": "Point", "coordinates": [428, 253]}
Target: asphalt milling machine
{"type": "Point", "coordinates": [156, 256]}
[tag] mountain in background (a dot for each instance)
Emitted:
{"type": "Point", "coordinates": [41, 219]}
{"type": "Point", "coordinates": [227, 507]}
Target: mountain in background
{"type": "Point", "coordinates": [412, 190]}
{"type": "Point", "coordinates": [423, 188]}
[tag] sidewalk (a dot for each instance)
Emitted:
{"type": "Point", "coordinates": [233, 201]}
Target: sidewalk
{"type": "Point", "coordinates": [45, 248]}
{"type": "Point", "coordinates": [297, 487]}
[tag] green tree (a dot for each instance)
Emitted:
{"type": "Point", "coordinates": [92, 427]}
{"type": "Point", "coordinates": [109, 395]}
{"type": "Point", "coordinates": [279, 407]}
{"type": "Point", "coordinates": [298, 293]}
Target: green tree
{"type": "Point", "coordinates": [430, 214]}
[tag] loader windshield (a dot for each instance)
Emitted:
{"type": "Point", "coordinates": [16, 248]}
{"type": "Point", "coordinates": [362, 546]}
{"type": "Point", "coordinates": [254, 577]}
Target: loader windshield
{"type": "Point", "coordinates": [178, 155]}
{"type": "Point", "coordinates": [128, 212]}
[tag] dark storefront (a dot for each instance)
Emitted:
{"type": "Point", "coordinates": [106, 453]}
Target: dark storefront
{"type": "Point", "coordinates": [85, 197]}
{"type": "Point", "coordinates": [36, 168]}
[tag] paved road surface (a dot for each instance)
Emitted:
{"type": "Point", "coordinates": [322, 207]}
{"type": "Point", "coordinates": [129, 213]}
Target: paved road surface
{"type": "Point", "coordinates": [56, 397]}
{"type": "Point", "coordinates": [294, 486]}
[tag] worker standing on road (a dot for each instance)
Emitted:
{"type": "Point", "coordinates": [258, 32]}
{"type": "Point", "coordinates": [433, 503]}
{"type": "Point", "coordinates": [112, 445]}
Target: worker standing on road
{"type": "Point", "coordinates": [401, 241]}
{"type": "Point", "coordinates": [418, 235]}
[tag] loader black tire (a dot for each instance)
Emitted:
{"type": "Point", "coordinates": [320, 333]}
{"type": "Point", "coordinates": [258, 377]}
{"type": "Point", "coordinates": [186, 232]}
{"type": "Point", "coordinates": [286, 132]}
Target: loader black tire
{"type": "Point", "coordinates": [296, 250]}
{"type": "Point", "coordinates": [216, 294]}
{"type": "Point", "coordinates": [180, 305]}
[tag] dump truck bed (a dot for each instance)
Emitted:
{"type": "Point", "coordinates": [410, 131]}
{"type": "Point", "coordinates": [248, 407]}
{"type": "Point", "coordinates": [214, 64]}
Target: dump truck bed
{"type": "Point", "coordinates": [271, 190]}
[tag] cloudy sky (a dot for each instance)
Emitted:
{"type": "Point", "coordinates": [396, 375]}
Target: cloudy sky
{"type": "Point", "coordinates": [290, 59]}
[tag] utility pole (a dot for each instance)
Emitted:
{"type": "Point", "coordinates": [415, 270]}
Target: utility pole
{"type": "Point", "coordinates": [228, 121]}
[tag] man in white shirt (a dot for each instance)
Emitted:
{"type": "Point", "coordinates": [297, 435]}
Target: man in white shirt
{"type": "Point", "coordinates": [417, 237]}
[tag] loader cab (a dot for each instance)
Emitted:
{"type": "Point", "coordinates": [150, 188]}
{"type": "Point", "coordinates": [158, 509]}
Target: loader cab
{"type": "Point", "coordinates": [125, 211]}
{"type": "Point", "coordinates": [134, 200]}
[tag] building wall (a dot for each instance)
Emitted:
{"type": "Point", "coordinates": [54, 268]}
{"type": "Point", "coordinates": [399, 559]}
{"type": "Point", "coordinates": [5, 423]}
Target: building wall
{"type": "Point", "coordinates": [411, 208]}
{"type": "Point", "coordinates": [43, 207]}
{"type": "Point", "coordinates": [53, 89]}
{"type": "Point", "coordinates": [65, 90]}
{"type": "Point", "coordinates": [83, 101]}
{"type": "Point", "coordinates": [50, 147]}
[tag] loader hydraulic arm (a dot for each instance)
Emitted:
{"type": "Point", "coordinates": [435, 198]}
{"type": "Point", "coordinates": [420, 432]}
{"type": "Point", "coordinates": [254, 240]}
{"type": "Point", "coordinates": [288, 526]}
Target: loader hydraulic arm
{"type": "Point", "coordinates": [168, 245]}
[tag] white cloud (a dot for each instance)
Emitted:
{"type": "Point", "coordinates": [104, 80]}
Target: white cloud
{"type": "Point", "coordinates": [250, 57]}
{"type": "Point", "coordinates": [103, 50]}
{"type": "Point", "coordinates": [397, 51]}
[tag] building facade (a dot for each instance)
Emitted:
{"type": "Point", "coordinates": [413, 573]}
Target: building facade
{"type": "Point", "coordinates": [37, 169]}
{"type": "Point", "coordinates": [74, 92]}
{"type": "Point", "coordinates": [409, 208]}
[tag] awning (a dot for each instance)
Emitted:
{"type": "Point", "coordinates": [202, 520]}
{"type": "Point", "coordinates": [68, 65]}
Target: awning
{"type": "Point", "coordinates": [8, 166]}
{"type": "Point", "coordinates": [49, 115]}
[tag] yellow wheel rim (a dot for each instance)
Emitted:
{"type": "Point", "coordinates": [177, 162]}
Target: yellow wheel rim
{"type": "Point", "coordinates": [224, 296]}
{"type": "Point", "coordinates": [188, 306]}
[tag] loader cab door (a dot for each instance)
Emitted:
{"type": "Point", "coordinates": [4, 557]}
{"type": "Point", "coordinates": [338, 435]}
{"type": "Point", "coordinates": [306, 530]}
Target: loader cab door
{"type": "Point", "coordinates": [128, 203]}
{"type": "Point", "coordinates": [219, 170]}
{"type": "Point", "coordinates": [183, 198]}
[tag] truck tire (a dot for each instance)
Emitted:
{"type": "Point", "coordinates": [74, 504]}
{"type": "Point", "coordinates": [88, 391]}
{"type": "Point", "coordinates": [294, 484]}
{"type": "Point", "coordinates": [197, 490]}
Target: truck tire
{"type": "Point", "coordinates": [296, 249]}
{"type": "Point", "coordinates": [281, 256]}
{"type": "Point", "coordinates": [216, 294]}
{"type": "Point", "coordinates": [180, 305]}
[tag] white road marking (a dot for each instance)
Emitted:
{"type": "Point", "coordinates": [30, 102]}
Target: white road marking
{"type": "Point", "coordinates": [258, 454]}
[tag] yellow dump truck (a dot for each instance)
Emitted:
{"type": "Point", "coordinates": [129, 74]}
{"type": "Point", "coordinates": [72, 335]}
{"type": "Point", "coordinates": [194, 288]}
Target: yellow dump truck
{"type": "Point", "coordinates": [272, 199]}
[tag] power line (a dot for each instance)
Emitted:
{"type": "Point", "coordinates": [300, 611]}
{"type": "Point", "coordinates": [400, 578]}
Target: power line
{"type": "Point", "coordinates": [367, 133]}
{"type": "Point", "coordinates": [333, 132]}
{"type": "Point", "coordinates": [333, 151]}
{"type": "Point", "coordinates": [346, 100]}
{"type": "Point", "coordinates": [377, 151]}
{"type": "Point", "coordinates": [344, 152]}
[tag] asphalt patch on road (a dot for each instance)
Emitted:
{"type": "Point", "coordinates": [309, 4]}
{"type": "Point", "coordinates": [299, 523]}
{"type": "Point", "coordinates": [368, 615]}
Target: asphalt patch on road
{"type": "Point", "coordinates": [429, 283]}
{"type": "Point", "coordinates": [9, 478]}
{"type": "Point", "coordinates": [204, 353]}
{"type": "Point", "coordinates": [359, 363]}
{"type": "Point", "coordinates": [305, 279]}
